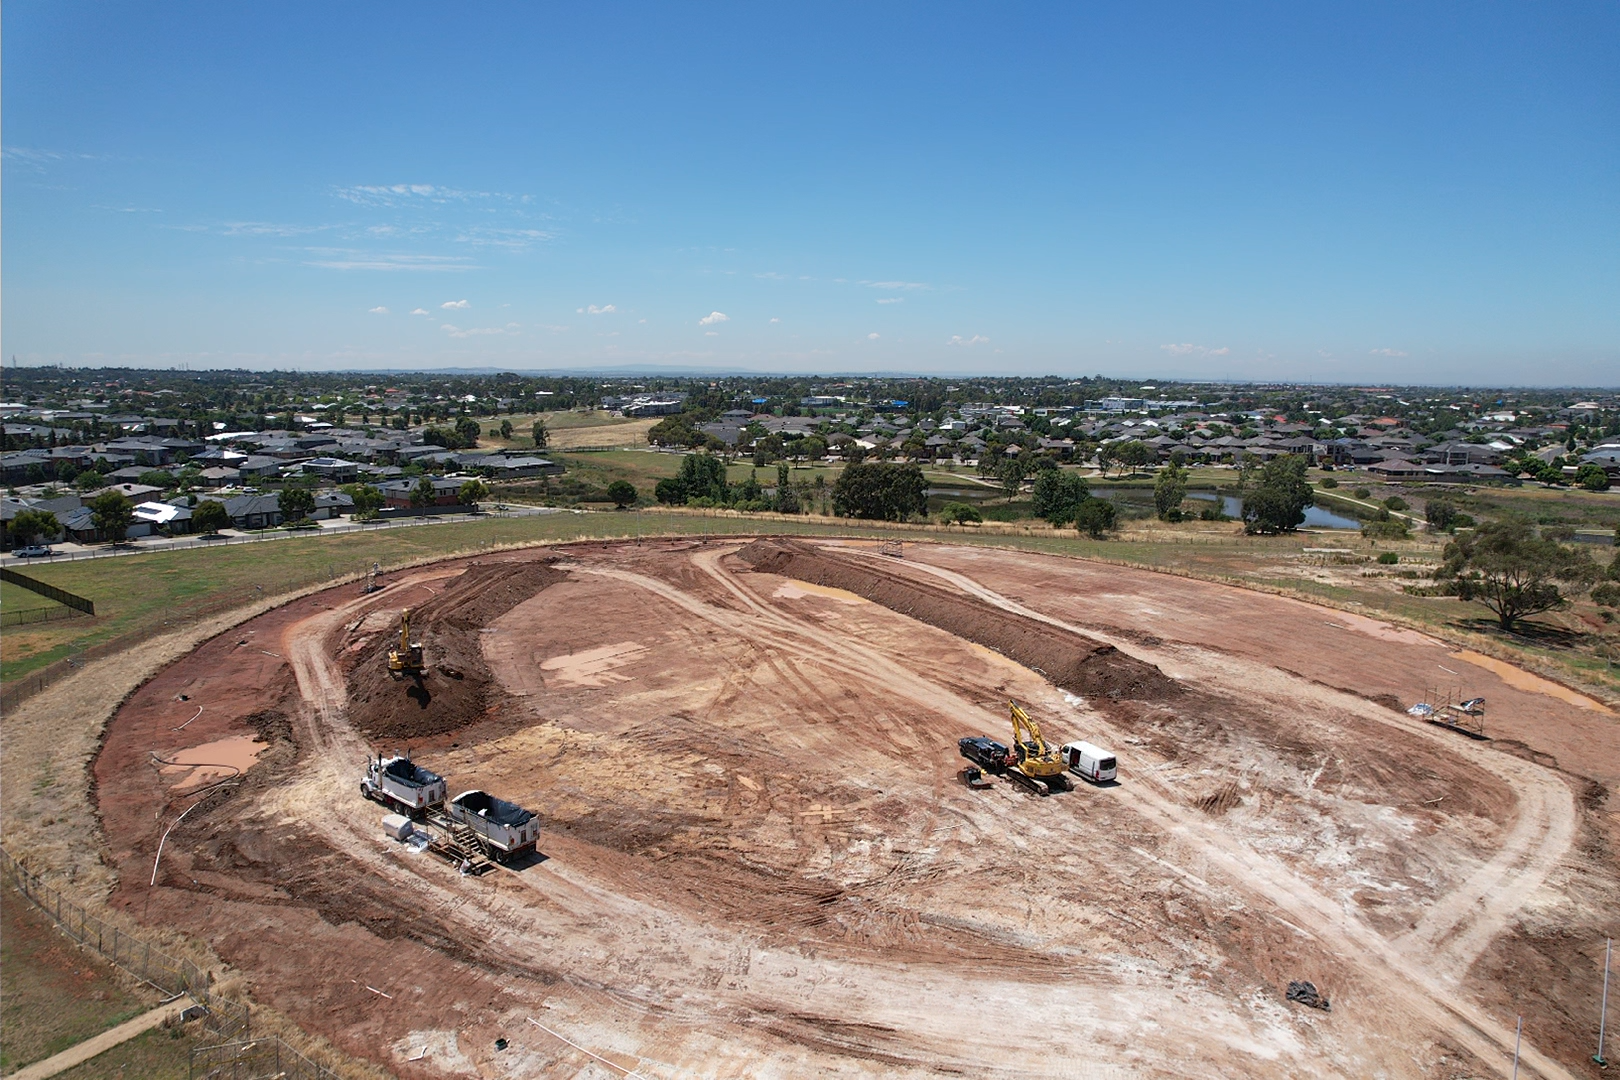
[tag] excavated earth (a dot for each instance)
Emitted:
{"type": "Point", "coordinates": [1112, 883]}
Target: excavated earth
{"type": "Point", "coordinates": [758, 859]}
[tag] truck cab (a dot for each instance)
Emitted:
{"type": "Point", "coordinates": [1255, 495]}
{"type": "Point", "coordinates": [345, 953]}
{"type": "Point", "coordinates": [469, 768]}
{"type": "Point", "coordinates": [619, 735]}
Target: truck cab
{"type": "Point", "coordinates": [1090, 762]}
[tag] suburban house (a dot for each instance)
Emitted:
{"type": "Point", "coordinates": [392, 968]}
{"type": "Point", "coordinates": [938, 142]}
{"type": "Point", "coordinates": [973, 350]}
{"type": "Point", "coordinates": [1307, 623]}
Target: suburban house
{"type": "Point", "coordinates": [254, 511]}
{"type": "Point", "coordinates": [446, 491]}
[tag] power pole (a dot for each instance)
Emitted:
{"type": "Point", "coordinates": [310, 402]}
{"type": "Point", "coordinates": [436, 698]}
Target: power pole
{"type": "Point", "coordinates": [1518, 1036]}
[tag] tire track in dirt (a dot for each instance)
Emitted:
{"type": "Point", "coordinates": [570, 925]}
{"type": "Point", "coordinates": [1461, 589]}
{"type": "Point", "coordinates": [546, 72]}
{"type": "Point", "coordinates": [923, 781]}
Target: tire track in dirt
{"type": "Point", "coordinates": [1459, 926]}
{"type": "Point", "coordinates": [1465, 920]}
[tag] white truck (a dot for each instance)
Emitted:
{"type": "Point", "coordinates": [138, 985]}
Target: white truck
{"type": "Point", "coordinates": [1088, 761]}
{"type": "Point", "coordinates": [505, 829]}
{"type": "Point", "coordinates": [402, 784]}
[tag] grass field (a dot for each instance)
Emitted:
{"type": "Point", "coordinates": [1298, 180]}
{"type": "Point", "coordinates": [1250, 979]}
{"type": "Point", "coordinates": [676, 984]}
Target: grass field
{"type": "Point", "coordinates": [17, 598]}
{"type": "Point", "coordinates": [159, 1054]}
{"type": "Point", "coordinates": [53, 994]}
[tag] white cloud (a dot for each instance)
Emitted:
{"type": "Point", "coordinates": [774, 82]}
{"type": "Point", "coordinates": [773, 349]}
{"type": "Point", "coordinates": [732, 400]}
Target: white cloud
{"type": "Point", "coordinates": [871, 337]}
{"type": "Point", "coordinates": [594, 310]}
{"type": "Point", "coordinates": [1188, 349]}
{"type": "Point", "coordinates": [776, 320]}
{"type": "Point", "coordinates": [891, 299]}
{"type": "Point", "coordinates": [455, 305]}
{"type": "Point", "coordinates": [714, 317]}
{"type": "Point", "coordinates": [896, 285]}
{"type": "Point", "coordinates": [510, 330]}
{"type": "Point", "coordinates": [348, 259]}
{"type": "Point", "coordinates": [419, 311]}
{"type": "Point", "coordinates": [641, 320]}
{"type": "Point", "coordinates": [407, 194]}
{"type": "Point", "coordinates": [976, 339]}
{"type": "Point", "coordinates": [1386, 352]}
{"type": "Point", "coordinates": [379, 310]}
{"type": "Point", "coordinates": [711, 333]}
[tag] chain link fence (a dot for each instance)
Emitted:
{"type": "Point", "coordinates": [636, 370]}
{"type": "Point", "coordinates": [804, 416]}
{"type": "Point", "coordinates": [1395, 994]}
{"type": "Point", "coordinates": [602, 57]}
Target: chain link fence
{"type": "Point", "coordinates": [226, 1018]}
{"type": "Point", "coordinates": [259, 1059]}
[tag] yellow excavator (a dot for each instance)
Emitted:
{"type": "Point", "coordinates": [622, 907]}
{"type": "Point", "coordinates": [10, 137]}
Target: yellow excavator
{"type": "Point", "coordinates": [405, 661]}
{"type": "Point", "coordinates": [1030, 761]}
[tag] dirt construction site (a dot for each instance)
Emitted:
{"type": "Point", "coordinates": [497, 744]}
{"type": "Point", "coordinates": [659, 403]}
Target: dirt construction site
{"type": "Point", "coordinates": [757, 857]}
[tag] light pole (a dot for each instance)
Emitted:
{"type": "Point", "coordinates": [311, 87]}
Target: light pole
{"type": "Point", "coordinates": [1603, 1010]}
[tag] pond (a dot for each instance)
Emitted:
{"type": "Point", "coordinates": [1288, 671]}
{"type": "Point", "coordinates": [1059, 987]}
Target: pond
{"type": "Point", "coordinates": [1315, 516]}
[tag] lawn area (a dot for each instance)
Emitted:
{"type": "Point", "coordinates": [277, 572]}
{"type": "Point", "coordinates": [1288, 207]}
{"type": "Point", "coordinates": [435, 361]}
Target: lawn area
{"type": "Point", "coordinates": [159, 1054]}
{"type": "Point", "coordinates": [568, 430]}
{"type": "Point", "coordinates": [17, 598]}
{"type": "Point", "coordinates": [139, 594]}
{"type": "Point", "coordinates": [53, 994]}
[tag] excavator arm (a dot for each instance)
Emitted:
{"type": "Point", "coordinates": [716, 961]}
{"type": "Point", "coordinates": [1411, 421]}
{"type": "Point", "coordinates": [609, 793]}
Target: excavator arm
{"type": "Point", "coordinates": [1030, 755]}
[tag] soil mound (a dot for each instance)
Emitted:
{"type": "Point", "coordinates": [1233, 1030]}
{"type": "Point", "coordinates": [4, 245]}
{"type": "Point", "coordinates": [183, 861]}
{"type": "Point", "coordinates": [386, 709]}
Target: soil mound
{"type": "Point", "coordinates": [1075, 663]}
{"type": "Point", "coordinates": [455, 690]}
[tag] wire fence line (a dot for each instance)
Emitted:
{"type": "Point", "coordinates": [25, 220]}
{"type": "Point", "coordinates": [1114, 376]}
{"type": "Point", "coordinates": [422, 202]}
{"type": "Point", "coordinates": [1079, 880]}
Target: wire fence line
{"type": "Point", "coordinates": [37, 615]}
{"type": "Point", "coordinates": [111, 551]}
{"type": "Point", "coordinates": [228, 1019]}
{"type": "Point", "coordinates": [257, 1059]}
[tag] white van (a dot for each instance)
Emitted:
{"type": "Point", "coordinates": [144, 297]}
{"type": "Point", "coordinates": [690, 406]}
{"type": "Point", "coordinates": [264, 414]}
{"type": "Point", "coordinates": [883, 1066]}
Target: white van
{"type": "Point", "coordinates": [1092, 762]}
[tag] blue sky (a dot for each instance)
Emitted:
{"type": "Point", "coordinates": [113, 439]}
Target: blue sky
{"type": "Point", "coordinates": [1399, 192]}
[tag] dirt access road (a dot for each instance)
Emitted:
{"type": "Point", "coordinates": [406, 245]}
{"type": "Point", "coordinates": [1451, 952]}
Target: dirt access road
{"type": "Point", "coordinates": [758, 861]}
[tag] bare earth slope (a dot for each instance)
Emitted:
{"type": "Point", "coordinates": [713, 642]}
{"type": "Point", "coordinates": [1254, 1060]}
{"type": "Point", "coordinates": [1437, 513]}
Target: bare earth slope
{"type": "Point", "coordinates": [758, 860]}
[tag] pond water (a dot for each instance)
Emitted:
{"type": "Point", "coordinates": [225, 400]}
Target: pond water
{"type": "Point", "coordinates": [1315, 516]}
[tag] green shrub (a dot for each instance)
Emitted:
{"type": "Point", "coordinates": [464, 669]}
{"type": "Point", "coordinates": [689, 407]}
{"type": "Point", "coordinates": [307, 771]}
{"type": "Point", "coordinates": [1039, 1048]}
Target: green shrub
{"type": "Point", "coordinates": [1389, 558]}
{"type": "Point", "coordinates": [1330, 482]}
{"type": "Point", "coordinates": [1395, 502]}
{"type": "Point", "coordinates": [1385, 530]}
{"type": "Point", "coordinates": [959, 513]}
{"type": "Point", "coordinates": [1607, 594]}
{"type": "Point", "coordinates": [1362, 493]}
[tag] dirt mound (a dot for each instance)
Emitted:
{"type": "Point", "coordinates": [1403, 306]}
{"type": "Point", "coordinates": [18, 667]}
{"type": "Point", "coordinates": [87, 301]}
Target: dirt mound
{"type": "Point", "coordinates": [455, 691]}
{"type": "Point", "coordinates": [1069, 660]}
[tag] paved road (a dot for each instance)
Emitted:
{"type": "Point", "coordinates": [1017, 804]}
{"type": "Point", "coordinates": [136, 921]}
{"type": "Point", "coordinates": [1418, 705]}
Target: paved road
{"type": "Point", "coordinates": [97, 1045]}
{"type": "Point", "coordinates": [68, 552]}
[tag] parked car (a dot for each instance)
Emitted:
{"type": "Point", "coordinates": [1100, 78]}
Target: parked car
{"type": "Point", "coordinates": [34, 551]}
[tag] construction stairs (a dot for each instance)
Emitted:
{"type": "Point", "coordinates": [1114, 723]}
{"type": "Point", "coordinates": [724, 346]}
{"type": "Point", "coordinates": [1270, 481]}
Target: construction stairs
{"type": "Point", "coordinates": [458, 845]}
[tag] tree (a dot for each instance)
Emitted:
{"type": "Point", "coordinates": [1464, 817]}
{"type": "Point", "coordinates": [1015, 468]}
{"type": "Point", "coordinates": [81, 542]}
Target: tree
{"type": "Point", "coordinates": [88, 480]}
{"type": "Point", "coordinates": [670, 491]}
{"type": "Point", "coordinates": [1169, 490]}
{"type": "Point", "coordinates": [423, 494]}
{"type": "Point", "coordinates": [506, 429]}
{"type": "Point", "coordinates": [1278, 501]}
{"type": "Point", "coordinates": [1592, 477]}
{"type": "Point", "coordinates": [881, 491]}
{"type": "Point", "coordinates": [960, 513]}
{"type": "Point", "coordinates": [1133, 453]}
{"type": "Point", "coordinates": [111, 514]}
{"type": "Point", "coordinates": [1508, 568]}
{"type": "Point", "coordinates": [367, 498]}
{"type": "Point", "coordinates": [1094, 517]}
{"type": "Point", "coordinates": [296, 503]}
{"type": "Point", "coordinates": [467, 431]}
{"type": "Point", "coordinates": [473, 492]}
{"type": "Point", "coordinates": [1441, 514]}
{"type": "Point", "coordinates": [1057, 495]}
{"type": "Point", "coordinates": [210, 517]}
{"type": "Point", "coordinates": [158, 478]}
{"type": "Point", "coordinates": [787, 500]}
{"type": "Point", "coordinates": [1105, 457]}
{"type": "Point", "coordinates": [1011, 474]}
{"type": "Point", "coordinates": [541, 436]}
{"type": "Point", "coordinates": [623, 493]}
{"type": "Point", "coordinates": [30, 525]}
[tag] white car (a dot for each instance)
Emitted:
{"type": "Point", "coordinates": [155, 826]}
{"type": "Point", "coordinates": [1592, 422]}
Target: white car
{"type": "Point", "coordinates": [33, 551]}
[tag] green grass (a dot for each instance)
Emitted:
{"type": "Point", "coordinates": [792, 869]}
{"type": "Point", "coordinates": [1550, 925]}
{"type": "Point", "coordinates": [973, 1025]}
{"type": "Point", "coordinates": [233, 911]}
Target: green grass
{"type": "Point", "coordinates": [159, 1054]}
{"type": "Point", "coordinates": [17, 598]}
{"type": "Point", "coordinates": [54, 995]}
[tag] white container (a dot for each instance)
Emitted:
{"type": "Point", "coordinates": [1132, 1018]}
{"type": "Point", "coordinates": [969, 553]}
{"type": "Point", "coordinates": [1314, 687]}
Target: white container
{"type": "Point", "coordinates": [1092, 762]}
{"type": "Point", "coordinates": [396, 826]}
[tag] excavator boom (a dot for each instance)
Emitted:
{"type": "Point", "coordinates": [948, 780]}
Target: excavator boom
{"type": "Point", "coordinates": [1031, 760]}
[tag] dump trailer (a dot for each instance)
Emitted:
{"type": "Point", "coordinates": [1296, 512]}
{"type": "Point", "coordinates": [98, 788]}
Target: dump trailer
{"type": "Point", "coordinates": [505, 830]}
{"type": "Point", "coordinates": [402, 784]}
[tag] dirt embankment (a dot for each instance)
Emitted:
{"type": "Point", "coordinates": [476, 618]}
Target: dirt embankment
{"type": "Point", "coordinates": [1068, 660]}
{"type": "Point", "coordinates": [454, 692]}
